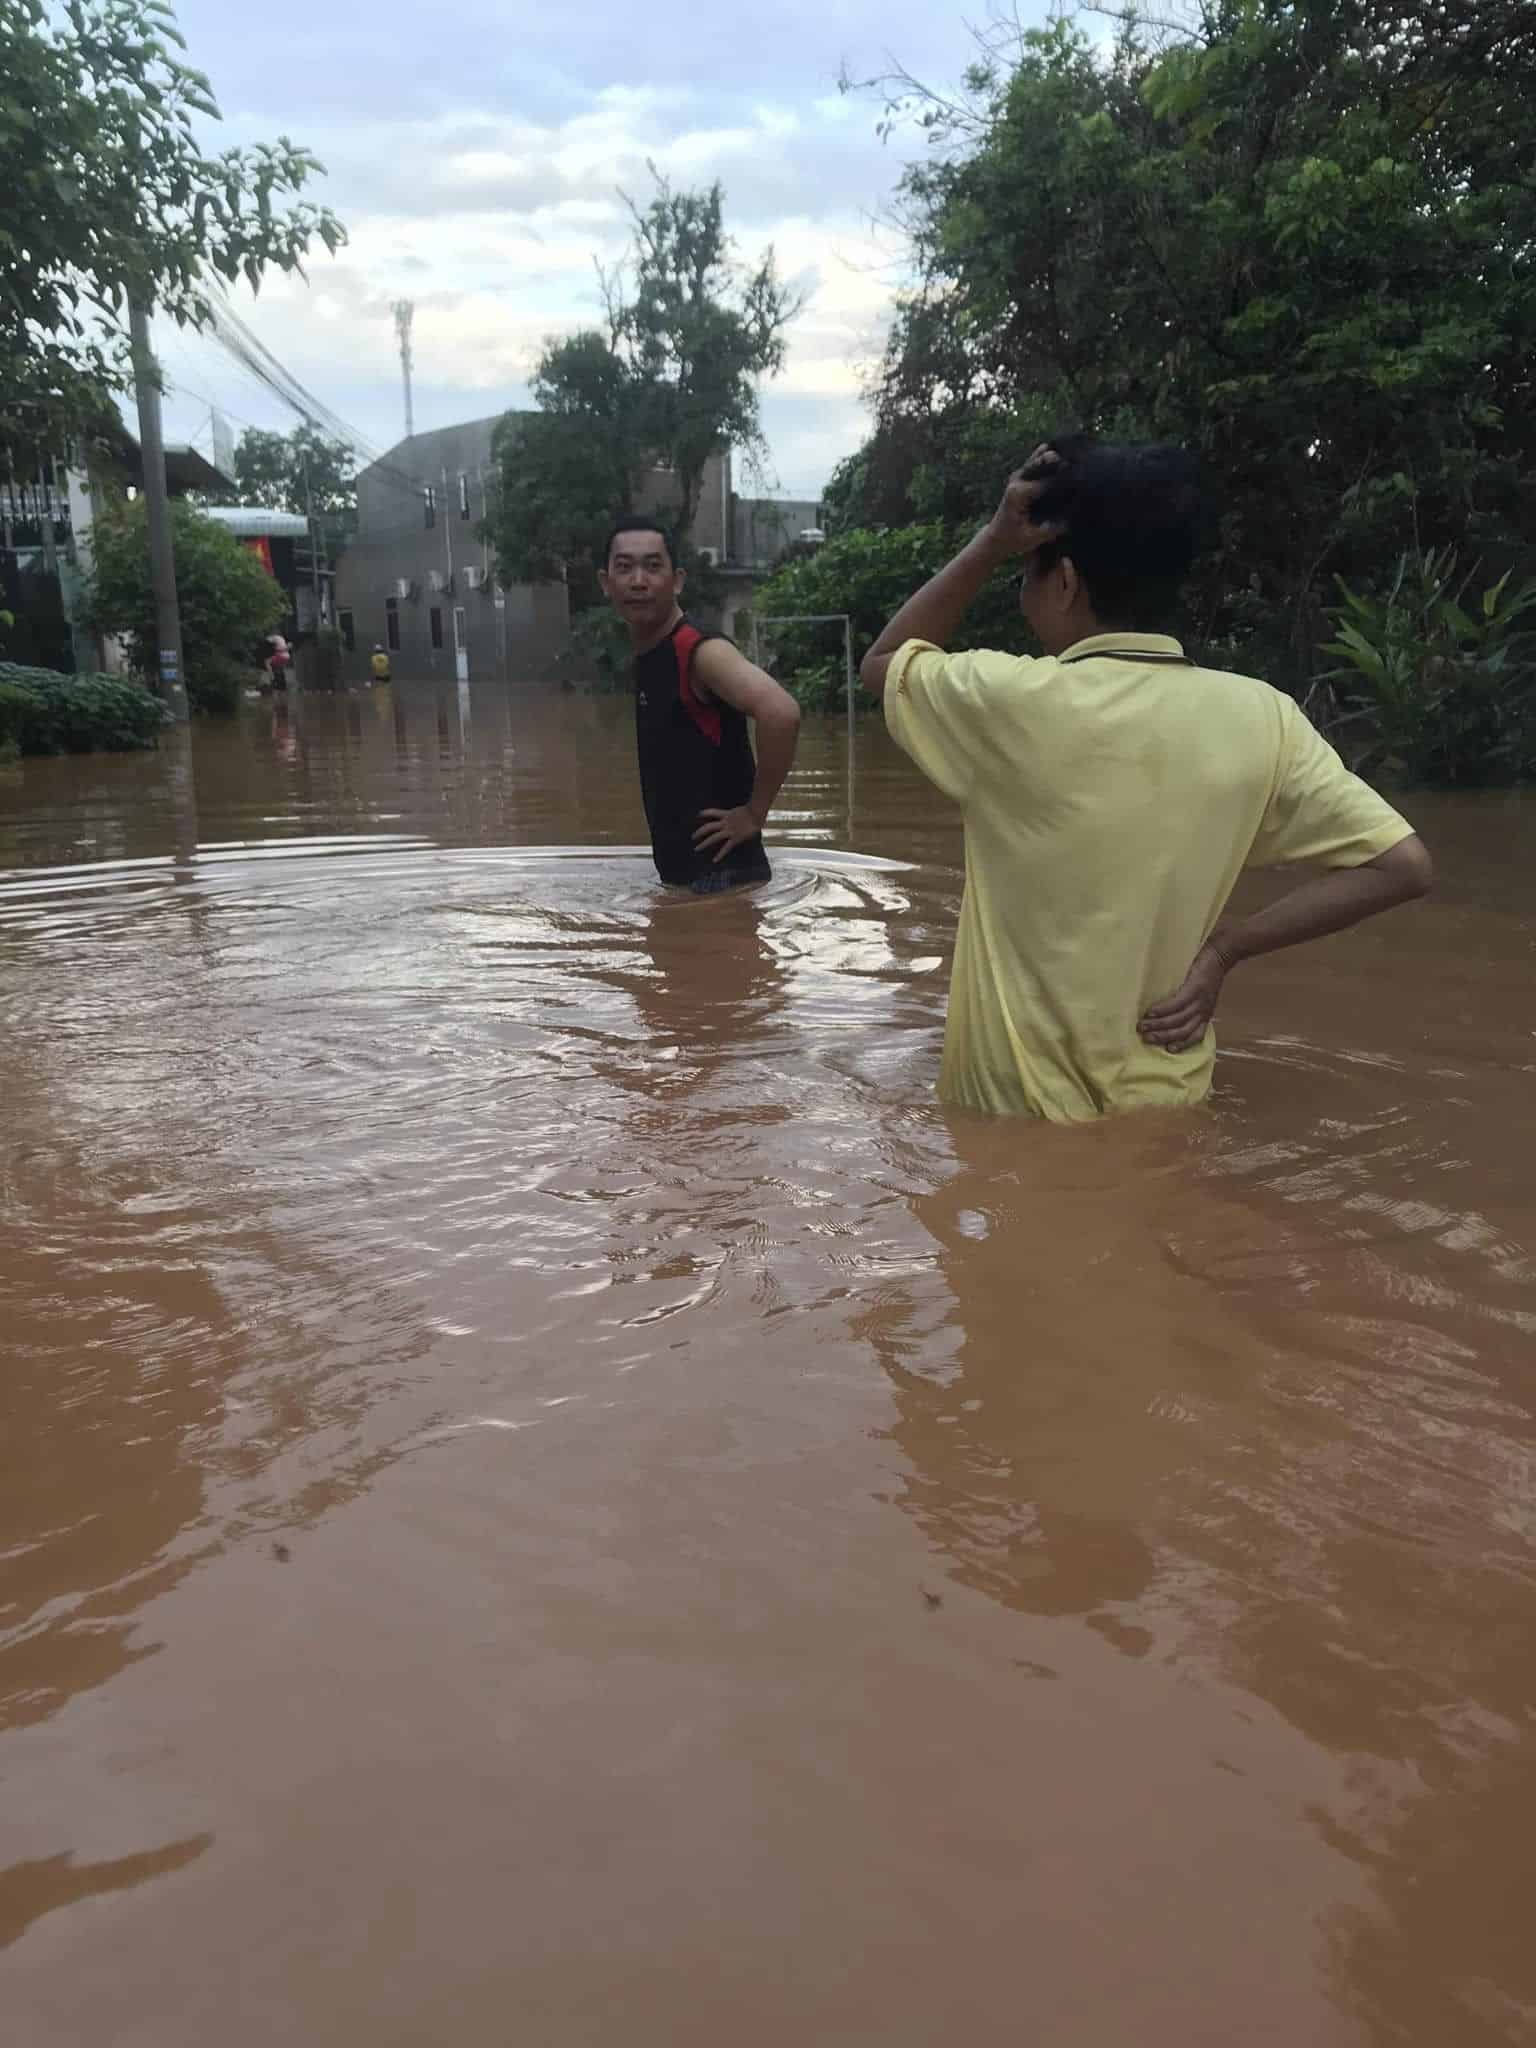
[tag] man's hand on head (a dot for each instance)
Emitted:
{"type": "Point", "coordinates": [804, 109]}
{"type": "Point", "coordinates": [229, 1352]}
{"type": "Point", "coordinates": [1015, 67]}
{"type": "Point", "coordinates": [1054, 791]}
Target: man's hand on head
{"type": "Point", "coordinates": [933, 613]}
{"type": "Point", "coordinates": [1013, 528]}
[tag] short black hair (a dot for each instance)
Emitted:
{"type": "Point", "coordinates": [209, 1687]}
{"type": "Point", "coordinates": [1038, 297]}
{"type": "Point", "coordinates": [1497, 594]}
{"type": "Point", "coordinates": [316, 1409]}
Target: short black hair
{"type": "Point", "coordinates": [639, 522]}
{"type": "Point", "coordinates": [1133, 515]}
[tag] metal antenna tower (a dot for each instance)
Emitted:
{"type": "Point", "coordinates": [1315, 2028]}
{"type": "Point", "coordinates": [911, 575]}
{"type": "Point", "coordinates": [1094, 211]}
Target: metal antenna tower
{"type": "Point", "coordinates": [404, 311]}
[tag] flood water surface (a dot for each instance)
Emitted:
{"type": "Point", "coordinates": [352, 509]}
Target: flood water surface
{"type": "Point", "coordinates": [550, 1494]}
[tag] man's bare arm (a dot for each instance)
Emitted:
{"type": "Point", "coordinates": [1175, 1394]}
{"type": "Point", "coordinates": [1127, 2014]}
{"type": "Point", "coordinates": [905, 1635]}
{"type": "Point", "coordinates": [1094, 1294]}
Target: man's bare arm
{"type": "Point", "coordinates": [1329, 902]}
{"type": "Point", "coordinates": [934, 611]}
{"type": "Point", "coordinates": [725, 672]}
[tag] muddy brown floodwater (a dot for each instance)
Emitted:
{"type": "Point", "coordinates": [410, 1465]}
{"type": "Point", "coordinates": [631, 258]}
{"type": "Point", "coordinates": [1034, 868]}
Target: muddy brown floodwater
{"type": "Point", "coordinates": [551, 1496]}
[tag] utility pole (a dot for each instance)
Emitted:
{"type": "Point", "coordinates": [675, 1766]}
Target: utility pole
{"type": "Point", "coordinates": [45, 520]}
{"type": "Point", "coordinates": [162, 550]}
{"type": "Point", "coordinates": [314, 543]}
{"type": "Point", "coordinates": [498, 595]}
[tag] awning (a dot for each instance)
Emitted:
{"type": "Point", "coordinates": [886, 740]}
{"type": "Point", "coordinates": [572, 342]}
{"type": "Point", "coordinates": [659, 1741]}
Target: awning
{"type": "Point", "coordinates": [254, 522]}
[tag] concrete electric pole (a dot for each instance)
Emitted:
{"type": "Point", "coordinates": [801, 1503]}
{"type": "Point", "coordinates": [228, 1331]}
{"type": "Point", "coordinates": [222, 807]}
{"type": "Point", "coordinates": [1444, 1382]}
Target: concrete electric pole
{"type": "Point", "coordinates": [162, 549]}
{"type": "Point", "coordinates": [314, 542]}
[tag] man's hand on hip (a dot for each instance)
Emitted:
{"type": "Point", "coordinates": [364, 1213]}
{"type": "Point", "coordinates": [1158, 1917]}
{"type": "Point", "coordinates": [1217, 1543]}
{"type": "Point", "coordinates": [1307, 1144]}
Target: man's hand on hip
{"type": "Point", "coordinates": [1329, 902]}
{"type": "Point", "coordinates": [720, 831]}
{"type": "Point", "coordinates": [1180, 1021]}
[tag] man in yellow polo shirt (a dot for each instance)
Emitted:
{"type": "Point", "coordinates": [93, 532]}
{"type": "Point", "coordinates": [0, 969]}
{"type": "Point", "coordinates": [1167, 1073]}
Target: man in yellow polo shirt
{"type": "Point", "coordinates": [1113, 792]}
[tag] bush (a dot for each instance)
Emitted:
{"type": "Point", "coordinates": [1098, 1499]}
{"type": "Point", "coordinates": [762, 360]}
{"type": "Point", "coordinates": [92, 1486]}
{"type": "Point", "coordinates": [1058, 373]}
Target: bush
{"type": "Point", "coordinates": [44, 712]}
{"type": "Point", "coordinates": [1433, 687]}
{"type": "Point", "coordinates": [218, 681]}
{"type": "Point", "coordinates": [15, 706]}
{"type": "Point", "coordinates": [822, 686]}
{"type": "Point", "coordinates": [227, 600]}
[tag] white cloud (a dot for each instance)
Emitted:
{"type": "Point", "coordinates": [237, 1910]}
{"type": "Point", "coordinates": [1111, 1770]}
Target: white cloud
{"type": "Point", "coordinates": [492, 218]}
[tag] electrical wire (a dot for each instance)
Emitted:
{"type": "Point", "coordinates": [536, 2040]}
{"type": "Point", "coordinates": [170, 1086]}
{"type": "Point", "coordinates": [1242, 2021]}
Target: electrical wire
{"type": "Point", "coordinates": [260, 362]}
{"type": "Point", "coordinates": [264, 369]}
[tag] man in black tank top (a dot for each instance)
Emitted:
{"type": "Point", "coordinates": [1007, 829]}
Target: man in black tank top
{"type": "Point", "coordinates": [706, 797]}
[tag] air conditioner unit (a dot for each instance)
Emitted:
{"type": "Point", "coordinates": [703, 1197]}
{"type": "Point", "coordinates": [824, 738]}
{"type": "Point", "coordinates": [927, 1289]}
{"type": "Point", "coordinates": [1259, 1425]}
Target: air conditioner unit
{"type": "Point", "coordinates": [475, 579]}
{"type": "Point", "coordinates": [436, 580]}
{"type": "Point", "coordinates": [402, 586]}
{"type": "Point", "coordinates": [710, 556]}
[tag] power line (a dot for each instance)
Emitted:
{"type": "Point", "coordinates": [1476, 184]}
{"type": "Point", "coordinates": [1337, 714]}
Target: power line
{"type": "Point", "coordinates": [259, 363]}
{"type": "Point", "coordinates": [249, 350]}
{"type": "Point", "coordinates": [258, 360]}
{"type": "Point", "coordinates": [219, 405]}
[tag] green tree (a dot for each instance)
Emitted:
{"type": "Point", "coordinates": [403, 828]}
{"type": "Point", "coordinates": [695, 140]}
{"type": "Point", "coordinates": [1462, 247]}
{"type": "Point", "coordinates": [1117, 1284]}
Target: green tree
{"type": "Point", "coordinates": [1436, 679]}
{"type": "Point", "coordinates": [109, 194]}
{"type": "Point", "coordinates": [672, 379]}
{"type": "Point", "coordinates": [846, 496]}
{"type": "Point", "coordinates": [281, 471]}
{"type": "Point", "coordinates": [698, 331]}
{"type": "Point", "coordinates": [562, 470]}
{"type": "Point", "coordinates": [228, 601]}
{"type": "Point", "coordinates": [1299, 239]}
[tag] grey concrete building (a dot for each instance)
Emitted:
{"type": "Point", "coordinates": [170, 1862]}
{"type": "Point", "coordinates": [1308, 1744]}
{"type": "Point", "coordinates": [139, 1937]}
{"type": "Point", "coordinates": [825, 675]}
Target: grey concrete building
{"type": "Point", "coordinates": [762, 528]}
{"type": "Point", "coordinates": [419, 581]}
{"type": "Point", "coordinates": [711, 533]}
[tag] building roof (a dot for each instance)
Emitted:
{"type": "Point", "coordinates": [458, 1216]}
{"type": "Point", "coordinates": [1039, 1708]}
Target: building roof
{"type": "Point", "coordinates": [188, 469]}
{"type": "Point", "coordinates": [400, 455]}
{"type": "Point", "coordinates": [246, 522]}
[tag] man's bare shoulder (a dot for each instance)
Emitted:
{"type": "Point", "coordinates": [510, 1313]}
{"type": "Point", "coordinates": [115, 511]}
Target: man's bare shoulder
{"type": "Point", "coordinates": [721, 672]}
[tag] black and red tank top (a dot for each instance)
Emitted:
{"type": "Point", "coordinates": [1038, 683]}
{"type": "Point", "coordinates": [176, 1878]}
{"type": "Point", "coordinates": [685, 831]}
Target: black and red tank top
{"type": "Point", "coordinates": [695, 755]}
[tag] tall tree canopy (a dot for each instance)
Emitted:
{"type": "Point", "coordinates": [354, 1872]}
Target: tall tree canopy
{"type": "Point", "coordinates": [670, 379]}
{"type": "Point", "coordinates": [108, 193]}
{"type": "Point", "coordinates": [1300, 238]}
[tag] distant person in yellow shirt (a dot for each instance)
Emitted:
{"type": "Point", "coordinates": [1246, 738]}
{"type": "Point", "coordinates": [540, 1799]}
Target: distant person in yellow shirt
{"type": "Point", "coordinates": [1113, 791]}
{"type": "Point", "coordinates": [378, 664]}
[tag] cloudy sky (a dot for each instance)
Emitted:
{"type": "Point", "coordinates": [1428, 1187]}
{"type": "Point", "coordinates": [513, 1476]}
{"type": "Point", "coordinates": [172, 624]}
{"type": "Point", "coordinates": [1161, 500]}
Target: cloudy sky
{"type": "Point", "coordinates": [476, 151]}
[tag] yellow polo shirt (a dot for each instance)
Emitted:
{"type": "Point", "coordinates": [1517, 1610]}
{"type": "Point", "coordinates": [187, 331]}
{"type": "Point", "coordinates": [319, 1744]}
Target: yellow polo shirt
{"type": "Point", "coordinates": [1112, 796]}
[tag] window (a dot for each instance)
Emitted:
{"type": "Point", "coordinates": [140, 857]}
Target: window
{"type": "Point", "coordinates": [435, 621]}
{"type": "Point", "coordinates": [348, 630]}
{"type": "Point", "coordinates": [429, 504]}
{"type": "Point", "coordinates": [392, 623]}
{"type": "Point", "coordinates": [463, 495]}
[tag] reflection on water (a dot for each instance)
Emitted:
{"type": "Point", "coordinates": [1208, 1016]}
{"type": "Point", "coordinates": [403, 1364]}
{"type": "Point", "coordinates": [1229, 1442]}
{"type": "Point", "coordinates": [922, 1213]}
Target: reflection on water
{"type": "Point", "coordinates": [546, 1482]}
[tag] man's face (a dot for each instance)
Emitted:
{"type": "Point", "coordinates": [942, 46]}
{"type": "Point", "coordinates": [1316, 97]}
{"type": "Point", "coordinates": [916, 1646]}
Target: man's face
{"type": "Point", "coordinates": [640, 581]}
